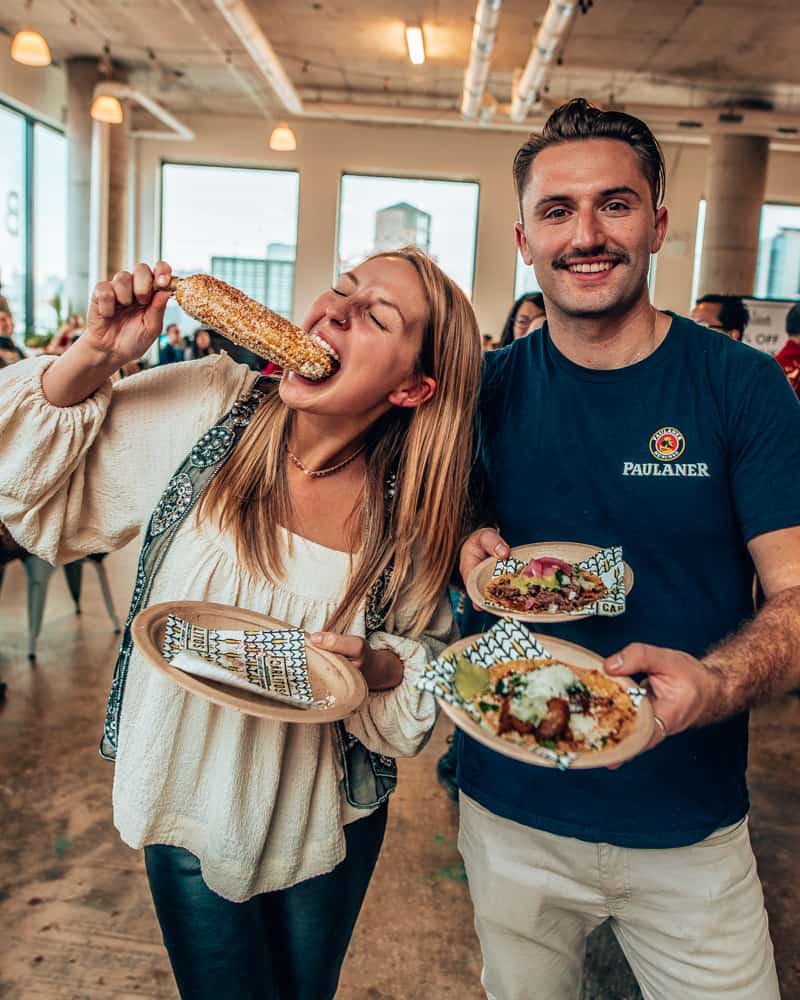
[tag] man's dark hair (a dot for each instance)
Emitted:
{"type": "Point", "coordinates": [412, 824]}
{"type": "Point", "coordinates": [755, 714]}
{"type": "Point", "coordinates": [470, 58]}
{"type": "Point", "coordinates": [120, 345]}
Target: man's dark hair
{"type": "Point", "coordinates": [733, 313]}
{"type": "Point", "coordinates": [580, 120]}
{"type": "Point", "coordinates": [793, 321]}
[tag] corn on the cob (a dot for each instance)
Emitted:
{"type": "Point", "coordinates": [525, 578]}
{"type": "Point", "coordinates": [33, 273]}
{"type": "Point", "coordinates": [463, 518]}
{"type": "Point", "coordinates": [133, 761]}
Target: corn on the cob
{"type": "Point", "coordinates": [253, 326]}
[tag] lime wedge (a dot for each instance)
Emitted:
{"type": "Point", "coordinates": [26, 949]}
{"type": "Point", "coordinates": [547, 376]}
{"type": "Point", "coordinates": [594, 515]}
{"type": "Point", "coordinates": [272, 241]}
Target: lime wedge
{"type": "Point", "coordinates": [470, 679]}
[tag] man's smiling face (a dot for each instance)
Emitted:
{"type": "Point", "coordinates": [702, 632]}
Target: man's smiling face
{"type": "Point", "coordinates": [589, 227]}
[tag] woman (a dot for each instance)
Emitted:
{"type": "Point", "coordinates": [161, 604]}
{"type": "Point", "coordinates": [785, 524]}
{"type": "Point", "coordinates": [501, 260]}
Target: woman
{"type": "Point", "coordinates": [257, 852]}
{"type": "Point", "coordinates": [201, 344]}
{"type": "Point", "coordinates": [527, 315]}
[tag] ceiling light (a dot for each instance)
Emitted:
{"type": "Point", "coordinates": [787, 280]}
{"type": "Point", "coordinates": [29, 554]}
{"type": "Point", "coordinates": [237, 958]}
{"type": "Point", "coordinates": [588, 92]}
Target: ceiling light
{"type": "Point", "coordinates": [30, 49]}
{"type": "Point", "coordinates": [106, 108]}
{"type": "Point", "coordinates": [415, 43]}
{"type": "Point", "coordinates": [282, 139]}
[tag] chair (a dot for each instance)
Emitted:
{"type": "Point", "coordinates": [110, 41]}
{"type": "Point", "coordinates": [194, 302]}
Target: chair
{"type": "Point", "coordinates": [39, 572]}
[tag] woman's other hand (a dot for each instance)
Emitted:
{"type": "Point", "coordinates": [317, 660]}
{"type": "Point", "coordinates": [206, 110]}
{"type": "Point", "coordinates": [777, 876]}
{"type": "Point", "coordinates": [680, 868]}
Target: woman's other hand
{"type": "Point", "coordinates": [382, 669]}
{"type": "Point", "coordinates": [126, 314]}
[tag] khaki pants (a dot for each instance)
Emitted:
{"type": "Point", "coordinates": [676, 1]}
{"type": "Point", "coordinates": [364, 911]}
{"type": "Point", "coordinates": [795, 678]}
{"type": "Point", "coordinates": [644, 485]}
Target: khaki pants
{"type": "Point", "coordinates": [690, 920]}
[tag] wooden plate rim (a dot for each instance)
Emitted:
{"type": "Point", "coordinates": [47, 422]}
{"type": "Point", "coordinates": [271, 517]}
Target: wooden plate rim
{"type": "Point", "coordinates": [483, 571]}
{"type": "Point", "coordinates": [235, 698]}
{"type": "Point", "coordinates": [560, 649]}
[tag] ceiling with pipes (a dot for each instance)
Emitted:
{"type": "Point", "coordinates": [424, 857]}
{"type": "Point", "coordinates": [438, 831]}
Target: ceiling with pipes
{"type": "Point", "coordinates": [348, 58]}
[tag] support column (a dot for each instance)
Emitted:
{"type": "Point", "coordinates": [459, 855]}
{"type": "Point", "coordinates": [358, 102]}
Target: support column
{"type": "Point", "coordinates": [81, 78]}
{"type": "Point", "coordinates": [735, 185]}
{"type": "Point", "coordinates": [117, 259]}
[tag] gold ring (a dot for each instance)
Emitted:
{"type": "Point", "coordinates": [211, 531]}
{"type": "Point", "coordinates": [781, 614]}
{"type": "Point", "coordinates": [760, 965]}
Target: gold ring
{"type": "Point", "coordinates": [661, 725]}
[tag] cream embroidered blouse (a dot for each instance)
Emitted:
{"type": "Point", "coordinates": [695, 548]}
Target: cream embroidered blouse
{"type": "Point", "coordinates": [259, 802]}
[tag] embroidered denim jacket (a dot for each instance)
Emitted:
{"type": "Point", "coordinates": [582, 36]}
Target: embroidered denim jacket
{"type": "Point", "coordinates": [369, 778]}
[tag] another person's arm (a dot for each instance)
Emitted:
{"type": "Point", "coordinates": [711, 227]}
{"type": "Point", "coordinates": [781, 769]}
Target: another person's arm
{"type": "Point", "coordinates": [762, 659]}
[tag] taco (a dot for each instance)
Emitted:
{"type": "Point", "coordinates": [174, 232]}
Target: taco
{"type": "Point", "coordinates": [546, 585]}
{"type": "Point", "coordinates": [545, 702]}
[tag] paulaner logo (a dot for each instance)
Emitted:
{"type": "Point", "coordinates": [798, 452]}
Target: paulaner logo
{"type": "Point", "coordinates": [688, 469]}
{"type": "Point", "coordinates": [667, 444]}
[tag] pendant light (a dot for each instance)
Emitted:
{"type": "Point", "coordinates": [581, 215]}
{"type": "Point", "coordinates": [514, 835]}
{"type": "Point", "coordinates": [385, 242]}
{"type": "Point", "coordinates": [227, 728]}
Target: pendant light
{"type": "Point", "coordinates": [282, 139]}
{"type": "Point", "coordinates": [29, 48]}
{"type": "Point", "coordinates": [106, 108]}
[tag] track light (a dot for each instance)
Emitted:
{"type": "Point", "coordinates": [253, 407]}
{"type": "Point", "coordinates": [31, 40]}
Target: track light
{"type": "Point", "coordinates": [415, 43]}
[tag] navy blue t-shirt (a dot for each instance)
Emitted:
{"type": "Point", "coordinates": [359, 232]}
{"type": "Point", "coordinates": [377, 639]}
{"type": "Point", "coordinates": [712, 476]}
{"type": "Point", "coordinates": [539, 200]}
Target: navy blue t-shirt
{"type": "Point", "coordinates": [681, 459]}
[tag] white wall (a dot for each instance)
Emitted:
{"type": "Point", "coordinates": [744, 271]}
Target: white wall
{"type": "Point", "coordinates": [327, 149]}
{"type": "Point", "coordinates": [41, 92]}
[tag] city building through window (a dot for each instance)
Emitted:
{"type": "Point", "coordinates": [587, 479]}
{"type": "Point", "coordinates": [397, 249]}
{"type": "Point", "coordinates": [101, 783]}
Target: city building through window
{"type": "Point", "coordinates": [385, 213]}
{"type": "Point", "coordinates": [778, 266]}
{"type": "Point", "coordinates": [248, 234]}
{"type": "Point", "coordinates": [778, 271]}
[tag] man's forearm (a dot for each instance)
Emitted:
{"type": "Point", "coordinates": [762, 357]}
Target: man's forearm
{"type": "Point", "coordinates": [760, 660]}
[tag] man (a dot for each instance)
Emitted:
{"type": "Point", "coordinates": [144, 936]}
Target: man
{"type": "Point", "coordinates": [174, 349]}
{"type": "Point", "coordinates": [789, 355]}
{"type": "Point", "coordinates": [725, 313]}
{"type": "Point", "coordinates": [574, 424]}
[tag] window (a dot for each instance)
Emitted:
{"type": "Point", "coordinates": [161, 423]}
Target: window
{"type": "Point", "coordinates": [385, 213]}
{"type": "Point", "coordinates": [524, 278]}
{"type": "Point", "coordinates": [778, 268]}
{"type": "Point", "coordinates": [778, 264]}
{"type": "Point", "coordinates": [50, 229]}
{"type": "Point", "coordinates": [13, 249]}
{"type": "Point", "coordinates": [698, 251]}
{"type": "Point", "coordinates": [248, 235]}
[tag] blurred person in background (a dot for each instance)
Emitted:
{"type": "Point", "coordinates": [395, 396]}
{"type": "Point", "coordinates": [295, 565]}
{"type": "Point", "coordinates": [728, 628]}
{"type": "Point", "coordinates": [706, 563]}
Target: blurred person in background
{"type": "Point", "coordinates": [67, 334]}
{"type": "Point", "coordinates": [202, 345]}
{"type": "Point", "coordinates": [174, 349]}
{"type": "Point", "coordinates": [487, 342]}
{"type": "Point", "coordinates": [527, 314]}
{"type": "Point", "coordinates": [9, 350]}
{"type": "Point", "coordinates": [4, 306]}
{"type": "Point", "coordinates": [789, 355]}
{"type": "Point", "coordinates": [724, 313]}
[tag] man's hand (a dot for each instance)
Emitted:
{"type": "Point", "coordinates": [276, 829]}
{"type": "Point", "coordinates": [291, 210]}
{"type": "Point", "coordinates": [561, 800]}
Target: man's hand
{"type": "Point", "coordinates": [682, 689]}
{"type": "Point", "coordinates": [480, 545]}
{"type": "Point", "coordinates": [382, 669]}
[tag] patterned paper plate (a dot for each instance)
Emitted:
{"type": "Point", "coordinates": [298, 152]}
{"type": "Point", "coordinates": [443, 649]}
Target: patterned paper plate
{"type": "Point", "coordinates": [331, 676]}
{"type": "Point", "coordinates": [617, 575]}
{"type": "Point", "coordinates": [504, 642]}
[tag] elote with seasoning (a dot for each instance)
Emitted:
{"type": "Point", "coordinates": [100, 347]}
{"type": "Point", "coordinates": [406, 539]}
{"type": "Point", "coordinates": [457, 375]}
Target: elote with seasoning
{"type": "Point", "coordinates": [252, 325]}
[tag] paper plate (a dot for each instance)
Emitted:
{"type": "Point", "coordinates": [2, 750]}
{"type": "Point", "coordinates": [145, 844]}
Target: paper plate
{"type": "Point", "coordinates": [572, 552]}
{"type": "Point", "coordinates": [568, 653]}
{"type": "Point", "coordinates": [329, 674]}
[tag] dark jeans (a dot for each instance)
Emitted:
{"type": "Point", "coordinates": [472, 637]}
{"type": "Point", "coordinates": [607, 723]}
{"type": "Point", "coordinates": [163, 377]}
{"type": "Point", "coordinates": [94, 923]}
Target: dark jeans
{"type": "Point", "coordinates": [284, 945]}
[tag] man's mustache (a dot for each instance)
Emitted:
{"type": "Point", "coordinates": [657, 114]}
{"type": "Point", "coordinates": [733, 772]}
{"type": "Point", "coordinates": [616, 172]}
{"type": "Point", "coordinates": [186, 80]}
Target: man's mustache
{"type": "Point", "coordinates": [616, 256]}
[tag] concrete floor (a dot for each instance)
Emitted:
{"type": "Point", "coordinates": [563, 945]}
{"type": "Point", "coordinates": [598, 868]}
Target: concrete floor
{"type": "Point", "coordinates": [75, 915]}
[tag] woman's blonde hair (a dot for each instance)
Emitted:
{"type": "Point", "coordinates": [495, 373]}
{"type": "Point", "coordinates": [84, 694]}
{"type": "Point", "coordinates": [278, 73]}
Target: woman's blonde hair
{"type": "Point", "coordinates": [428, 449]}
